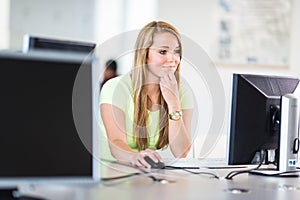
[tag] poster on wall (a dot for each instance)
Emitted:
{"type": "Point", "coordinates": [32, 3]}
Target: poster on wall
{"type": "Point", "coordinates": [253, 32]}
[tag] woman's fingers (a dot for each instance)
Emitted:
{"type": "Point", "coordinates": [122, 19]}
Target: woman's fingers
{"type": "Point", "coordinates": [169, 89]}
{"type": "Point", "coordinates": [140, 158]}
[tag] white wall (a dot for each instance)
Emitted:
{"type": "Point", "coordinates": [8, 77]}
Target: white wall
{"type": "Point", "coordinates": [295, 40]}
{"type": "Point", "coordinates": [66, 19]}
{"type": "Point", "coordinates": [98, 20]}
{"type": "Point", "coordinates": [85, 20]}
{"type": "Point", "coordinates": [193, 18]}
{"type": "Point", "coordinates": [115, 17]}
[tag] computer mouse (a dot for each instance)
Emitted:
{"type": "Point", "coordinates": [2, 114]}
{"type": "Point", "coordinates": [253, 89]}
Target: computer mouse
{"type": "Point", "coordinates": [154, 165]}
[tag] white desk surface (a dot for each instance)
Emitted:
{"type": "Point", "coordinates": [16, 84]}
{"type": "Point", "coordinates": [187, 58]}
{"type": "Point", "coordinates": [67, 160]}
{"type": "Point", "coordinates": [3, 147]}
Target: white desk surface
{"type": "Point", "coordinates": [182, 186]}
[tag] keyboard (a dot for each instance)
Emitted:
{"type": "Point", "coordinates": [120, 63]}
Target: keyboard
{"type": "Point", "coordinates": [196, 163]}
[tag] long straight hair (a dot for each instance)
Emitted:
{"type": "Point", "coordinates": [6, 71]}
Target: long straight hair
{"type": "Point", "coordinates": [143, 43]}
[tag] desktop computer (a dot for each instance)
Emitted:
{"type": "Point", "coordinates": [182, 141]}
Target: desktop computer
{"type": "Point", "coordinates": [38, 43]}
{"type": "Point", "coordinates": [46, 120]}
{"type": "Point", "coordinates": [264, 121]}
{"type": "Point", "coordinates": [288, 146]}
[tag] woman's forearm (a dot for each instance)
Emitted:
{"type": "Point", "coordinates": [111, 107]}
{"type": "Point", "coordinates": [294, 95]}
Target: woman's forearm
{"type": "Point", "coordinates": [121, 151]}
{"type": "Point", "coordinates": [179, 138]}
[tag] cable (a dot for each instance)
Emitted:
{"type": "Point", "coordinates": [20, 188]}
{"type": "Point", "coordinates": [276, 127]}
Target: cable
{"type": "Point", "coordinates": [205, 173]}
{"type": "Point", "coordinates": [235, 173]}
{"type": "Point", "coordinates": [120, 177]}
{"type": "Point", "coordinates": [174, 167]}
{"type": "Point", "coordinates": [142, 173]}
{"type": "Point", "coordinates": [279, 174]}
{"type": "Point", "coordinates": [294, 173]}
{"type": "Point", "coordinates": [192, 172]}
{"type": "Point", "coordinates": [158, 179]}
{"type": "Point", "coordinates": [232, 174]}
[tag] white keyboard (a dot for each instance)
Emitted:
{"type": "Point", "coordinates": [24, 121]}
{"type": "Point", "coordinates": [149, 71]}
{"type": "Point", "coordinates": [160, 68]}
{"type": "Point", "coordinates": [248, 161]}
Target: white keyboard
{"type": "Point", "coordinates": [196, 162]}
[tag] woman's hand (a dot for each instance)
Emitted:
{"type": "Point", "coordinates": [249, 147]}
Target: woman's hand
{"type": "Point", "coordinates": [139, 159]}
{"type": "Point", "coordinates": [169, 88]}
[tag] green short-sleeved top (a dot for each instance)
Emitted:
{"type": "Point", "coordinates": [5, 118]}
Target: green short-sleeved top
{"type": "Point", "coordinates": [119, 92]}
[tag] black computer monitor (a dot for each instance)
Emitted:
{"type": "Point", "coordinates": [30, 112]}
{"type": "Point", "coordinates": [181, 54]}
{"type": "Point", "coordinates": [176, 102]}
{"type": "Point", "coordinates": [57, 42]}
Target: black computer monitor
{"type": "Point", "coordinates": [255, 116]}
{"type": "Point", "coordinates": [34, 43]}
{"type": "Point", "coordinates": [46, 119]}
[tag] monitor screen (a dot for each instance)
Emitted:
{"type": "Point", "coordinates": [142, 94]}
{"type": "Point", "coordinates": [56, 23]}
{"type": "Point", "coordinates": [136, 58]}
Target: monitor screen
{"type": "Point", "coordinates": [255, 110]}
{"type": "Point", "coordinates": [31, 43]}
{"type": "Point", "coordinates": [39, 132]}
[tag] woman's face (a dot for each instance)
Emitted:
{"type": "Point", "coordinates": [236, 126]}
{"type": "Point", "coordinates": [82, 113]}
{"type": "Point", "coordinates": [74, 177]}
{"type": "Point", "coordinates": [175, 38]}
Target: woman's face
{"type": "Point", "coordinates": [163, 55]}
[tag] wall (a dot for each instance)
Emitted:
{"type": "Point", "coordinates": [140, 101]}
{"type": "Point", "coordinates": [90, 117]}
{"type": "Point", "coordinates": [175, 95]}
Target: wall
{"type": "Point", "coordinates": [67, 19]}
{"type": "Point", "coordinates": [84, 20]}
{"type": "Point", "coordinates": [116, 17]}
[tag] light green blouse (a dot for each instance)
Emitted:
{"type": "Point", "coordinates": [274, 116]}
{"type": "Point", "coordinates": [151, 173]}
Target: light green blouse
{"type": "Point", "coordinates": [119, 92]}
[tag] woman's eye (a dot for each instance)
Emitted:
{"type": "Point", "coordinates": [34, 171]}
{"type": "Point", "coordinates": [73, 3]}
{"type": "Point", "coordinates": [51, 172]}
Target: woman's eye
{"type": "Point", "coordinates": [163, 52]}
{"type": "Point", "coordinates": [178, 51]}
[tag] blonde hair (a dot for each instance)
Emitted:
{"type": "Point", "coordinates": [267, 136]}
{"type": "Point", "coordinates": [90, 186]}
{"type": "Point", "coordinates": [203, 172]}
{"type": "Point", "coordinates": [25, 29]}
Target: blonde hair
{"type": "Point", "coordinates": [143, 43]}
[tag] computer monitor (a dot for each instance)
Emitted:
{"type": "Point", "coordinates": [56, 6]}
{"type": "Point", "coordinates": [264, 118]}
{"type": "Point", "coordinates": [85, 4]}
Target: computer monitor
{"type": "Point", "coordinates": [34, 43]}
{"type": "Point", "coordinates": [46, 119]}
{"type": "Point", "coordinates": [255, 116]}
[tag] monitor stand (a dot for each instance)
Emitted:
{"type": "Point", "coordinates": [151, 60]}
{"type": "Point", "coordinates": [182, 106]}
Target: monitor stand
{"type": "Point", "coordinates": [14, 194]}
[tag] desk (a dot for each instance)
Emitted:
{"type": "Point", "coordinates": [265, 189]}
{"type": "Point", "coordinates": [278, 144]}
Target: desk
{"type": "Point", "coordinates": [182, 186]}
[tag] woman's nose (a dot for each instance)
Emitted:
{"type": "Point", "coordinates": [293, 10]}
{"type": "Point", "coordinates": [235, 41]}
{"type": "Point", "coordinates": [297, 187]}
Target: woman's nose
{"type": "Point", "coordinates": [171, 56]}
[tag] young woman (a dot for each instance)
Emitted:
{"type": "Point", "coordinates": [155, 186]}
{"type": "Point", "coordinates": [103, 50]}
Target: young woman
{"type": "Point", "coordinates": [149, 108]}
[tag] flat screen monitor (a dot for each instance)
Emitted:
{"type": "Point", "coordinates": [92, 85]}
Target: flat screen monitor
{"type": "Point", "coordinates": [255, 116]}
{"type": "Point", "coordinates": [46, 119]}
{"type": "Point", "coordinates": [34, 43]}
